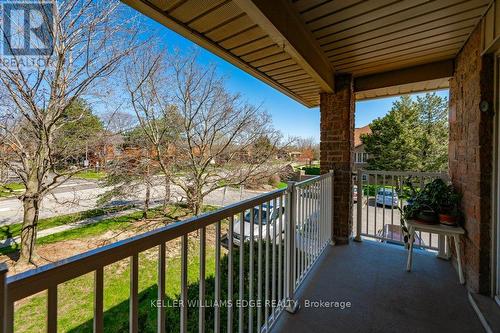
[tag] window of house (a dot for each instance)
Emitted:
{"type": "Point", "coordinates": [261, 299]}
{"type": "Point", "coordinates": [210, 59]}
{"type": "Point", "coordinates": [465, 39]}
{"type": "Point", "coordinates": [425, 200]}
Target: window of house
{"type": "Point", "coordinates": [361, 157]}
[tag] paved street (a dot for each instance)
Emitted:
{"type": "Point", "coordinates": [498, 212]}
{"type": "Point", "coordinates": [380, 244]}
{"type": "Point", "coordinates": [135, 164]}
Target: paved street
{"type": "Point", "coordinates": [80, 195]}
{"type": "Point", "coordinates": [377, 217]}
{"type": "Point", "coordinates": [379, 223]}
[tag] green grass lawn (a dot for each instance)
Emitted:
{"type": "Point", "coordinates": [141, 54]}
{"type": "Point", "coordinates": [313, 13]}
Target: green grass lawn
{"type": "Point", "coordinates": [11, 189]}
{"type": "Point", "coordinates": [75, 298]}
{"type": "Point", "coordinates": [282, 185]}
{"type": "Point", "coordinates": [14, 230]}
{"type": "Point", "coordinates": [90, 175]}
{"type": "Point", "coordinates": [175, 213]}
{"type": "Point", "coordinates": [115, 223]}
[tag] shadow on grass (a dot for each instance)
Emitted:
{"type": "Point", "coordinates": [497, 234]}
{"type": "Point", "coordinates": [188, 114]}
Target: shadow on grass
{"type": "Point", "coordinates": [116, 319]}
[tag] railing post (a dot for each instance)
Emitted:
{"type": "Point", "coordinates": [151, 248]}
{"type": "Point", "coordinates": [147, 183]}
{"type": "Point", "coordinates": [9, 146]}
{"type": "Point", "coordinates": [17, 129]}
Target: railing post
{"type": "Point", "coordinates": [3, 298]}
{"type": "Point", "coordinates": [292, 304]}
{"type": "Point", "coordinates": [332, 206]}
{"type": "Point", "coordinates": [359, 205]}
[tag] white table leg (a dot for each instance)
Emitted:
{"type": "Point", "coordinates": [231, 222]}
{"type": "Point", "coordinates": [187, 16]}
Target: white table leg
{"type": "Point", "coordinates": [448, 251]}
{"type": "Point", "coordinates": [456, 239]}
{"type": "Point", "coordinates": [410, 249]}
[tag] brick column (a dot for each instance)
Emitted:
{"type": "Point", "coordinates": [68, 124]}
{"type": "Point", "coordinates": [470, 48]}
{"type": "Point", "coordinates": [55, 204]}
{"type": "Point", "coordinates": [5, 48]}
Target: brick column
{"type": "Point", "coordinates": [337, 135]}
{"type": "Point", "coordinates": [470, 156]}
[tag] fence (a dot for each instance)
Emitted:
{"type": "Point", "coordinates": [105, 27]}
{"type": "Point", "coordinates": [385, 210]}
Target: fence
{"type": "Point", "coordinates": [281, 235]}
{"type": "Point", "coordinates": [380, 196]}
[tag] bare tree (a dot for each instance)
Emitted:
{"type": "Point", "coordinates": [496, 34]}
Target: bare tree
{"type": "Point", "coordinates": [90, 39]}
{"type": "Point", "coordinates": [131, 174]}
{"type": "Point", "coordinates": [148, 84]}
{"type": "Point", "coordinates": [309, 148]}
{"type": "Point", "coordinates": [118, 122]}
{"type": "Point", "coordinates": [221, 134]}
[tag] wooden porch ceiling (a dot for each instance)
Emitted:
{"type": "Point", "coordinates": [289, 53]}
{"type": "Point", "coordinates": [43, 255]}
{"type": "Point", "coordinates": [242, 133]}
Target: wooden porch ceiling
{"type": "Point", "coordinates": [297, 46]}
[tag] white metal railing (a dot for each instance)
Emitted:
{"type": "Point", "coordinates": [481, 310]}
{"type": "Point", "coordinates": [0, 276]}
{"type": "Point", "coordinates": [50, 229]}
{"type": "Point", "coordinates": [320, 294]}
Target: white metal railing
{"type": "Point", "coordinates": [378, 216]}
{"type": "Point", "coordinates": [312, 222]}
{"type": "Point", "coordinates": [287, 240]}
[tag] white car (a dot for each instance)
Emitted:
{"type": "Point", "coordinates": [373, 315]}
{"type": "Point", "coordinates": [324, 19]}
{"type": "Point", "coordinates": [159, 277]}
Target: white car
{"type": "Point", "coordinates": [248, 224]}
{"type": "Point", "coordinates": [387, 197]}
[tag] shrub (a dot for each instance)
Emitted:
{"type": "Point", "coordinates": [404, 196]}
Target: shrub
{"type": "Point", "coordinates": [311, 170]}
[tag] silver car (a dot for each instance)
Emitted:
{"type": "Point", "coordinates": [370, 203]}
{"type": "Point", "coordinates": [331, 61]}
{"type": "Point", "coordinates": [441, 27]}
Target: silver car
{"type": "Point", "coordinates": [270, 215]}
{"type": "Point", "coordinates": [387, 197]}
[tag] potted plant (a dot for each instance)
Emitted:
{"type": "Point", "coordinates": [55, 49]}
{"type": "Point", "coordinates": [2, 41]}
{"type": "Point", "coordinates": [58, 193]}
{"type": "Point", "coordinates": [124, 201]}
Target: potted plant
{"type": "Point", "coordinates": [449, 212]}
{"type": "Point", "coordinates": [418, 207]}
{"type": "Point", "coordinates": [436, 202]}
{"type": "Point", "coordinates": [424, 205]}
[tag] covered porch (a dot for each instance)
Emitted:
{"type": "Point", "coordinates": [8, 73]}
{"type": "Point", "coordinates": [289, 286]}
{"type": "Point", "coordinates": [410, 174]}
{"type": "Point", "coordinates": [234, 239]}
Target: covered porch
{"type": "Point", "coordinates": [383, 296]}
{"type": "Point", "coordinates": [328, 54]}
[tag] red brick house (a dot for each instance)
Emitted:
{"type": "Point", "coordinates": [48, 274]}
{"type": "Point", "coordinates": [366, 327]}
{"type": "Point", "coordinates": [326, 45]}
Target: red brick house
{"type": "Point", "coordinates": [360, 157]}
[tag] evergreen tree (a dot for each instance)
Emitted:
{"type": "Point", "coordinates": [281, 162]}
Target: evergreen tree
{"type": "Point", "coordinates": [433, 141]}
{"type": "Point", "coordinates": [393, 142]}
{"type": "Point", "coordinates": [79, 131]}
{"type": "Point", "coordinates": [413, 136]}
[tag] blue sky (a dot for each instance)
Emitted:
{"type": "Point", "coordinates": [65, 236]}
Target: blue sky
{"type": "Point", "coordinates": [289, 116]}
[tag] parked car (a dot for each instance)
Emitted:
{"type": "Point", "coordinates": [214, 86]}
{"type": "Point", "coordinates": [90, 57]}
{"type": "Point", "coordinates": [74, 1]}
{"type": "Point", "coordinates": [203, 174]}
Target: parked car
{"type": "Point", "coordinates": [387, 197]}
{"type": "Point", "coordinates": [273, 219]}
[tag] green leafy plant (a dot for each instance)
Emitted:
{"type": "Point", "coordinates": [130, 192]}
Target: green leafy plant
{"type": "Point", "coordinates": [436, 197]}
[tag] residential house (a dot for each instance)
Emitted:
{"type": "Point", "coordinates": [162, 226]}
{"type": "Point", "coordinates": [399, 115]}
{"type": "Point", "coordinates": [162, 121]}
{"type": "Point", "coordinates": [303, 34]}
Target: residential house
{"type": "Point", "coordinates": [360, 156]}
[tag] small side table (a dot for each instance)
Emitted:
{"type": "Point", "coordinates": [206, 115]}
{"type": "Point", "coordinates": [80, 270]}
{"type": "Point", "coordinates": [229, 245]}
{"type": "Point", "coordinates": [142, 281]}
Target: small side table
{"type": "Point", "coordinates": [443, 230]}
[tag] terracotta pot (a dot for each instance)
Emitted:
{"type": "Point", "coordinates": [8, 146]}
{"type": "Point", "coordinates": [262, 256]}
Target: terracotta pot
{"type": "Point", "coordinates": [448, 219]}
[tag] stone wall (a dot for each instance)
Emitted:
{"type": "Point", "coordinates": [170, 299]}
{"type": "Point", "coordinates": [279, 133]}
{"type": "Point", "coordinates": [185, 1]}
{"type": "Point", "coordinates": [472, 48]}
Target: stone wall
{"type": "Point", "coordinates": [470, 156]}
{"type": "Point", "coordinates": [337, 136]}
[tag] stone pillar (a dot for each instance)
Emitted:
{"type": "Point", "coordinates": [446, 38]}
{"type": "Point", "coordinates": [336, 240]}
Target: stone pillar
{"type": "Point", "coordinates": [337, 136]}
{"type": "Point", "coordinates": [470, 156]}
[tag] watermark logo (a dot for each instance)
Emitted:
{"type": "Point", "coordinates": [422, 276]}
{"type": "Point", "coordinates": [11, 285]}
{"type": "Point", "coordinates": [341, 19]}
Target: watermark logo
{"type": "Point", "coordinates": [26, 33]}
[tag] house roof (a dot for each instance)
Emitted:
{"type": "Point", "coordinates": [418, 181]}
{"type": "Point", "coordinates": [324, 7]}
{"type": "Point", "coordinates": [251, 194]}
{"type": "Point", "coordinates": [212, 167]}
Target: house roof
{"type": "Point", "coordinates": [358, 132]}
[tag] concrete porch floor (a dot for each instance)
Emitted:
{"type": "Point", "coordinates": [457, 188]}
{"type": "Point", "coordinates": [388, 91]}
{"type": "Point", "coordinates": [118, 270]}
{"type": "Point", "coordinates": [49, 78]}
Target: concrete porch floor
{"type": "Point", "coordinates": [384, 297]}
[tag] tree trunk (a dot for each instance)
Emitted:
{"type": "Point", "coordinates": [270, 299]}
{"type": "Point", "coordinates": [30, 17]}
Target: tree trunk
{"type": "Point", "coordinates": [167, 193]}
{"type": "Point", "coordinates": [31, 206]}
{"type": "Point", "coordinates": [147, 200]}
{"type": "Point", "coordinates": [198, 202]}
